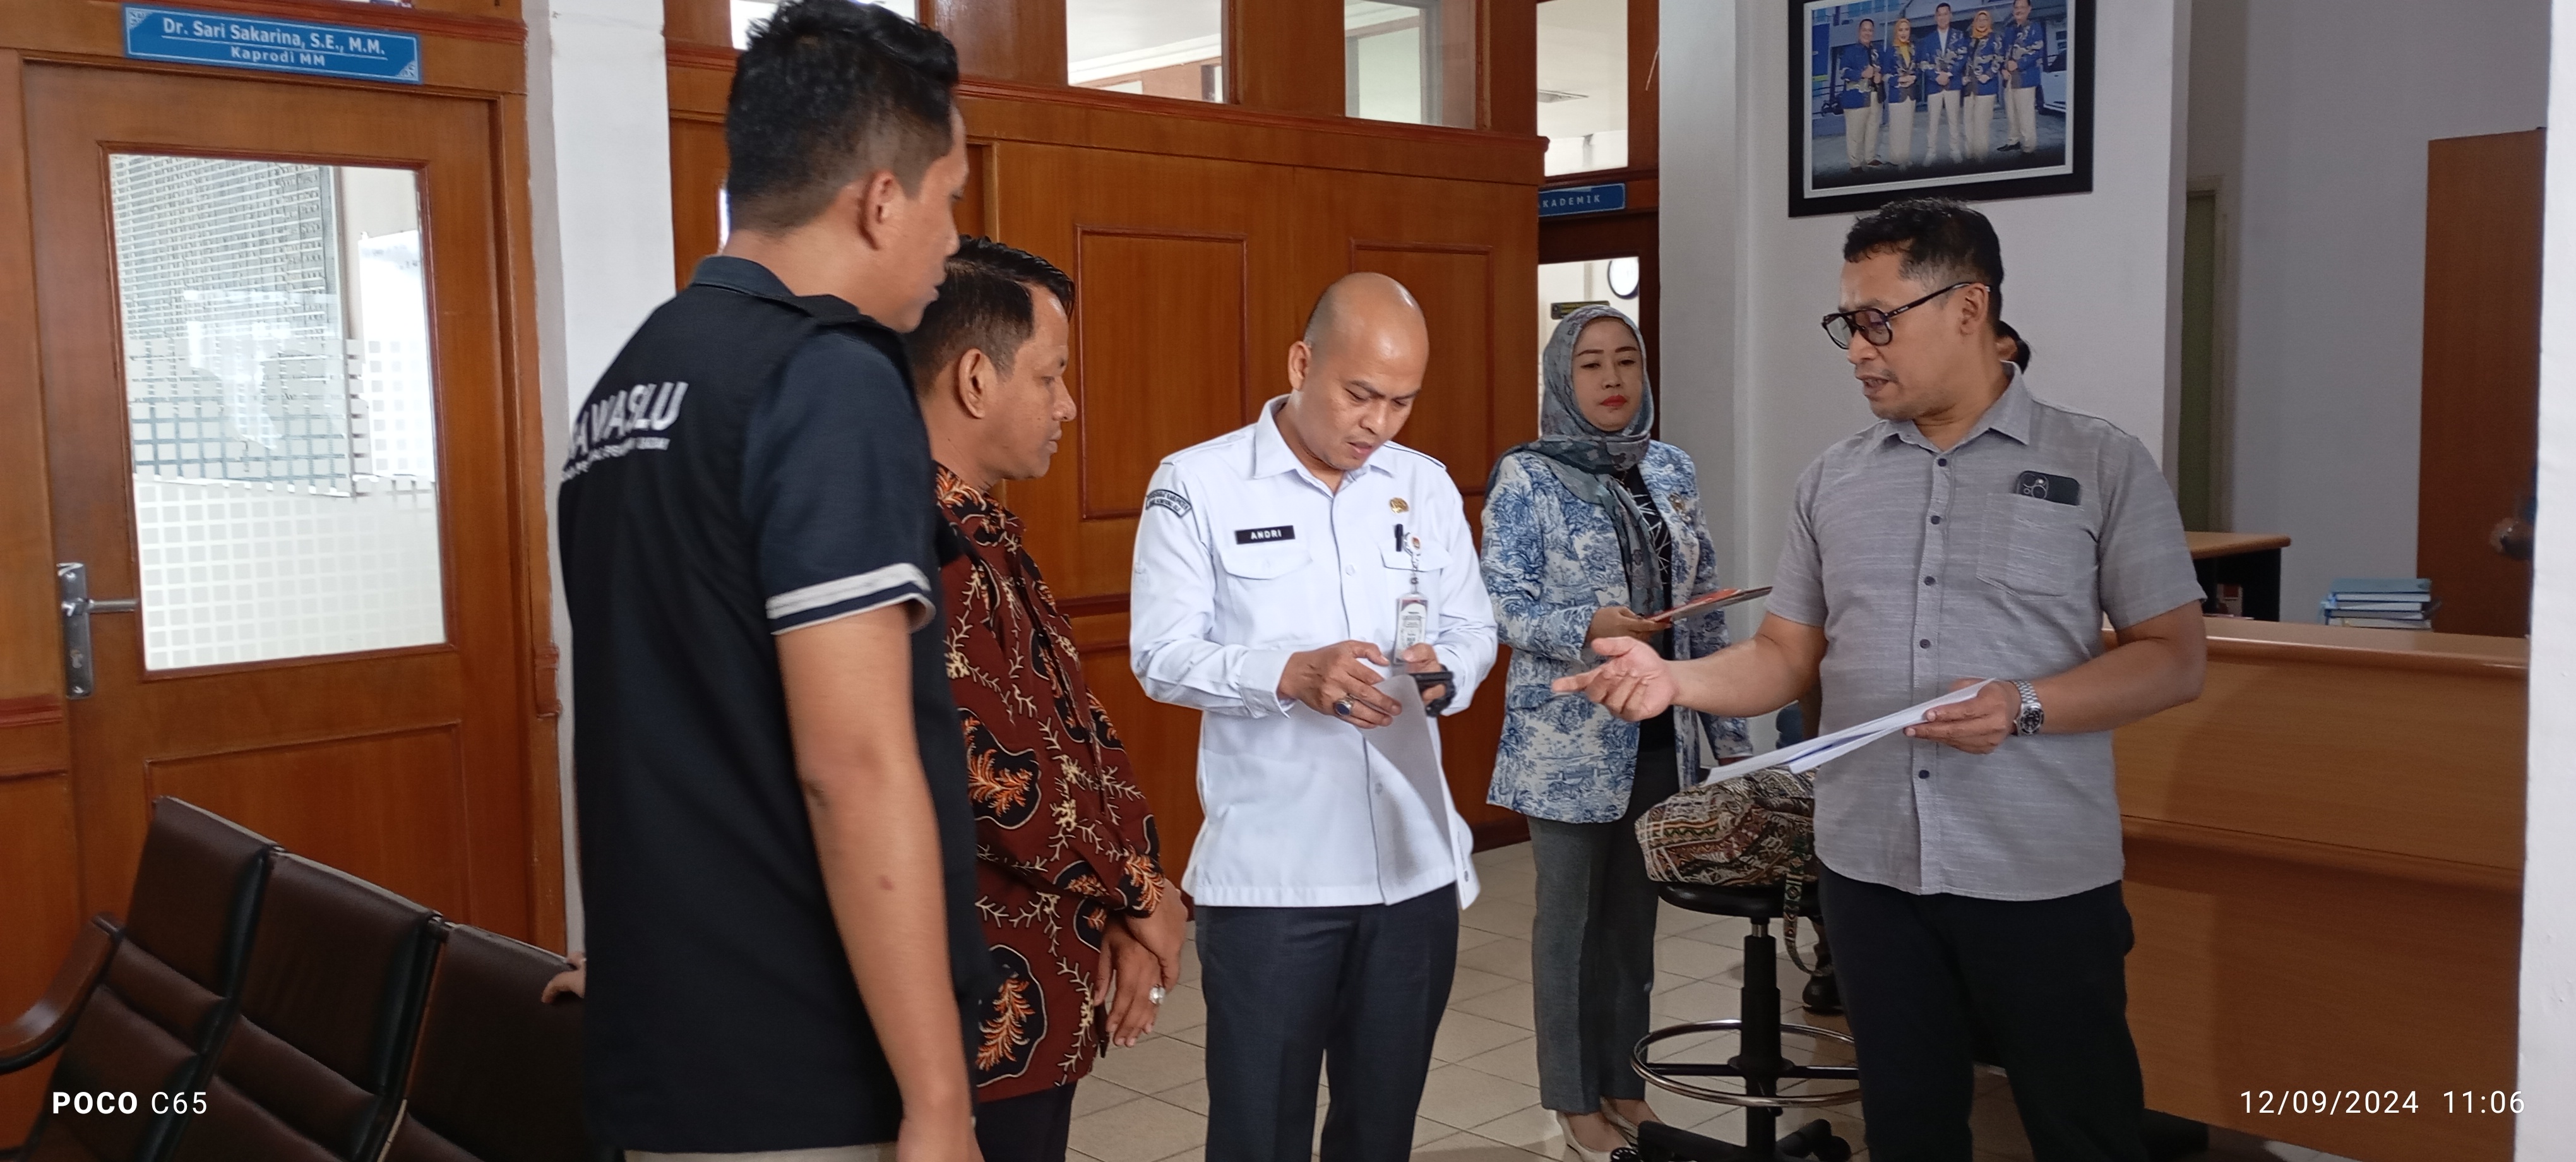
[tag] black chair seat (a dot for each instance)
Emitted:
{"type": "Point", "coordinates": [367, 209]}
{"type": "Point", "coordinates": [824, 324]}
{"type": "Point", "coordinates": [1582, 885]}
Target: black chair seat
{"type": "Point", "coordinates": [497, 1076]}
{"type": "Point", "coordinates": [170, 993]}
{"type": "Point", "coordinates": [314, 1066]}
{"type": "Point", "coordinates": [1749, 903]}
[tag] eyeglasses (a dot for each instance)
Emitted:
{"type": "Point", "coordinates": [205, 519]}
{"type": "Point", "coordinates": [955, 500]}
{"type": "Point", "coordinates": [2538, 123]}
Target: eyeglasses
{"type": "Point", "coordinates": [1878, 326]}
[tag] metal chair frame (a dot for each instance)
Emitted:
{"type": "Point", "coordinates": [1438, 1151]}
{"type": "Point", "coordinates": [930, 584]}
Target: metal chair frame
{"type": "Point", "coordinates": [1759, 1065]}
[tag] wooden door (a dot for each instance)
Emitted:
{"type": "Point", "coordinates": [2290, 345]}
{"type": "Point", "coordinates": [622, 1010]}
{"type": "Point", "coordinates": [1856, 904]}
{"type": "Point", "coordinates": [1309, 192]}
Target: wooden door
{"type": "Point", "coordinates": [272, 332]}
{"type": "Point", "coordinates": [2481, 419]}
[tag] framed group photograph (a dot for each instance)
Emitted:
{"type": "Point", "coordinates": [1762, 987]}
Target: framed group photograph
{"type": "Point", "coordinates": [1955, 98]}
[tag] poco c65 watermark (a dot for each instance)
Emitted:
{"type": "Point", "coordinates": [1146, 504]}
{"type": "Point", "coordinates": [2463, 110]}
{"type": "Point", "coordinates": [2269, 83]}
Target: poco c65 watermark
{"type": "Point", "coordinates": [108, 1101]}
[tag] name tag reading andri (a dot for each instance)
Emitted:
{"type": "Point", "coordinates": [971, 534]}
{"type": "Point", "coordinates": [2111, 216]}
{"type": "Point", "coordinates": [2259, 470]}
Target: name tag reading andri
{"type": "Point", "coordinates": [1264, 536]}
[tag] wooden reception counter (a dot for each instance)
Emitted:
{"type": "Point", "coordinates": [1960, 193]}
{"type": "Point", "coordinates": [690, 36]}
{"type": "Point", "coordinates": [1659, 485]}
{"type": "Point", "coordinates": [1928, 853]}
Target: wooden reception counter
{"type": "Point", "coordinates": [2325, 868]}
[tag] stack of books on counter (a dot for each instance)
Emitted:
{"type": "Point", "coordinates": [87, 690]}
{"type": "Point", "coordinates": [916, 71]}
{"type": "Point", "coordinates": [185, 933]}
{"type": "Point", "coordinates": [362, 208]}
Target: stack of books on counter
{"type": "Point", "coordinates": [2379, 602]}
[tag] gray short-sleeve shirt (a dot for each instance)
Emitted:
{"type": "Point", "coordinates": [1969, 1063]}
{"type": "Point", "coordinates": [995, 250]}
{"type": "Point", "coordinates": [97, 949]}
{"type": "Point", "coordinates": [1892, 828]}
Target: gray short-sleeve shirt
{"type": "Point", "coordinates": [1996, 559]}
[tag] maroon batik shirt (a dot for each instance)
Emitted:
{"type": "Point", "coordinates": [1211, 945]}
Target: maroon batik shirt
{"type": "Point", "coordinates": [1063, 838]}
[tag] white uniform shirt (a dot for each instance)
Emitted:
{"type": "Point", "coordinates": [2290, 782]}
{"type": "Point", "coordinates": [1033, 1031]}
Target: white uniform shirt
{"type": "Point", "coordinates": [1243, 557]}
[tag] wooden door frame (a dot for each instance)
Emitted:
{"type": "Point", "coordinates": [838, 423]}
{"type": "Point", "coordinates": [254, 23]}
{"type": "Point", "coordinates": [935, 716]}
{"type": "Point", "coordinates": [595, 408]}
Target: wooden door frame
{"type": "Point", "coordinates": [1632, 229]}
{"type": "Point", "coordinates": [470, 50]}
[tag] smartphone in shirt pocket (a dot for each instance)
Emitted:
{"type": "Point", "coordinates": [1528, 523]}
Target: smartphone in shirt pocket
{"type": "Point", "coordinates": [2039, 538]}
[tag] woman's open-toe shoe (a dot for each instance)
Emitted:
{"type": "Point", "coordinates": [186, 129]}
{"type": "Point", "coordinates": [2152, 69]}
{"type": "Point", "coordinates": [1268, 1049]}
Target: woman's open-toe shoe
{"type": "Point", "coordinates": [1627, 1129]}
{"type": "Point", "coordinates": [1565, 1124]}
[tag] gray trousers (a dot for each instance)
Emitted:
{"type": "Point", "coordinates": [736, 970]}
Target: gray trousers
{"type": "Point", "coordinates": [1292, 992]}
{"type": "Point", "coordinates": [1592, 947]}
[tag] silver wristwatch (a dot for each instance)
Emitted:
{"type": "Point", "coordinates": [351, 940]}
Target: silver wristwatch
{"type": "Point", "coordinates": [2031, 716]}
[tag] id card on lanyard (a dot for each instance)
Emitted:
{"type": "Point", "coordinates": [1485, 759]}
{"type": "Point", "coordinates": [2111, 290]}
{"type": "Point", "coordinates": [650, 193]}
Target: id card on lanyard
{"type": "Point", "coordinates": [1413, 610]}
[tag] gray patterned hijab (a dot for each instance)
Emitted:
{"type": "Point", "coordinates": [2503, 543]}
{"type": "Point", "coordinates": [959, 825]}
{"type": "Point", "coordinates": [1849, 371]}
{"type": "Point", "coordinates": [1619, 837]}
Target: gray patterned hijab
{"type": "Point", "coordinates": [1589, 460]}
{"type": "Point", "coordinates": [1564, 434]}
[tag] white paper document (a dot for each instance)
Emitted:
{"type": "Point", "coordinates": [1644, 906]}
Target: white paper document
{"type": "Point", "coordinates": [1816, 752]}
{"type": "Point", "coordinates": [1410, 742]}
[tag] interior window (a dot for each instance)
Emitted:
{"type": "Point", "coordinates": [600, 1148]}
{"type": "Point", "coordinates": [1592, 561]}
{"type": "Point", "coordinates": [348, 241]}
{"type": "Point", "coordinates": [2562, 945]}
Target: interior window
{"type": "Point", "coordinates": [746, 12]}
{"type": "Point", "coordinates": [1409, 60]}
{"type": "Point", "coordinates": [1160, 48]}
{"type": "Point", "coordinates": [1583, 84]}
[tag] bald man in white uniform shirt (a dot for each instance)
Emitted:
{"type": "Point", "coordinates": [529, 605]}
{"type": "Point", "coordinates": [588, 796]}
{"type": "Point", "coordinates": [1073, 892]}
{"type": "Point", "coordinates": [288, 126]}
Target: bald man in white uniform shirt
{"type": "Point", "coordinates": [1281, 570]}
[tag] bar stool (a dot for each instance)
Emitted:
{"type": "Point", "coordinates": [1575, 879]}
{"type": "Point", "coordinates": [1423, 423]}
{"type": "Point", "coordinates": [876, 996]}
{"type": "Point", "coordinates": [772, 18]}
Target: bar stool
{"type": "Point", "coordinates": [1757, 1063]}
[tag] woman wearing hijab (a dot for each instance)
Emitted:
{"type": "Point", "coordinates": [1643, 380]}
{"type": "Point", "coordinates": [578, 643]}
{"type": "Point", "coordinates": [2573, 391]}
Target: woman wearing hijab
{"type": "Point", "coordinates": [1985, 85]}
{"type": "Point", "coordinates": [1589, 531]}
{"type": "Point", "coordinates": [1902, 75]}
{"type": "Point", "coordinates": [2010, 346]}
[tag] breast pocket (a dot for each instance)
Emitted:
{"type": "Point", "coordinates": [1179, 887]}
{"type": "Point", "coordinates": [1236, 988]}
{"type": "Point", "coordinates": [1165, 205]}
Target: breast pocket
{"type": "Point", "coordinates": [1404, 565]}
{"type": "Point", "coordinates": [2038, 547]}
{"type": "Point", "coordinates": [1271, 562]}
{"type": "Point", "coordinates": [1263, 596]}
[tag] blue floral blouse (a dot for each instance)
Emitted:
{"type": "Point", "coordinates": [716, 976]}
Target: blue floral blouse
{"type": "Point", "coordinates": [1550, 560]}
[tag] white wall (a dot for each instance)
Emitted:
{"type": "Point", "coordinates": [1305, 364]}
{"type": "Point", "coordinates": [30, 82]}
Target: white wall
{"type": "Point", "coordinates": [2548, 1040]}
{"type": "Point", "coordinates": [1754, 390]}
{"type": "Point", "coordinates": [599, 143]}
{"type": "Point", "coordinates": [2322, 230]}
{"type": "Point", "coordinates": [1700, 227]}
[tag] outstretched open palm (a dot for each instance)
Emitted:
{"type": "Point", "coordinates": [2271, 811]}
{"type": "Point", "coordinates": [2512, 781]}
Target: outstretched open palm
{"type": "Point", "coordinates": [1633, 681]}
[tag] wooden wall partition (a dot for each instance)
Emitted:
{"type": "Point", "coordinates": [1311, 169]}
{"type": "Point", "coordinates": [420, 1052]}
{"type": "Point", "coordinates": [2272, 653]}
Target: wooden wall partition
{"type": "Point", "coordinates": [1199, 235]}
{"type": "Point", "coordinates": [1286, 57]}
{"type": "Point", "coordinates": [456, 801]}
{"type": "Point", "coordinates": [2325, 874]}
{"type": "Point", "coordinates": [1195, 272]}
{"type": "Point", "coordinates": [1009, 40]}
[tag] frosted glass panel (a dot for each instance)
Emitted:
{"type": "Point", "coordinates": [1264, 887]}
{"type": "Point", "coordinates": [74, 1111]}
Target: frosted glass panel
{"type": "Point", "coordinates": [284, 427]}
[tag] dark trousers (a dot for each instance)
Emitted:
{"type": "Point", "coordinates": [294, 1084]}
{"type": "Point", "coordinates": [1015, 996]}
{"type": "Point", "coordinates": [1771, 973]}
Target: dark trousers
{"type": "Point", "coordinates": [1592, 946]}
{"type": "Point", "coordinates": [1032, 1127]}
{"type": "Point", "coordinates": [1292, 992]}
{"type": "Point", "coordinates": [1929, 979]}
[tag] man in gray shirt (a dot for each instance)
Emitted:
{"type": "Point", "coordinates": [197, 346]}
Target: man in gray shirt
{"type": "Point", "coordinates": [1972, 866]}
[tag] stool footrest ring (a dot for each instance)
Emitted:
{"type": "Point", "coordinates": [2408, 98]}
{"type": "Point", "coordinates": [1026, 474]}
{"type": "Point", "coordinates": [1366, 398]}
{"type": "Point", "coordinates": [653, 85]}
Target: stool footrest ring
{"type": "Point", "coordinates": [1666, 1076]}
{"type": "Point", "coordinates": [1799, 1072]}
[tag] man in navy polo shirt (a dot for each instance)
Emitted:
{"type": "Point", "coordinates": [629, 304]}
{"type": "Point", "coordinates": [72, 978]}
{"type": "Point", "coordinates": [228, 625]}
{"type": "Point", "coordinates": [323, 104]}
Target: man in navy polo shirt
{"type": "Point", "coordinates": [777, 852]}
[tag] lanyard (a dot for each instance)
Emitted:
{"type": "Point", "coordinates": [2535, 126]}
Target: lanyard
{"type": "Point", "coordinates": [1413, 610]}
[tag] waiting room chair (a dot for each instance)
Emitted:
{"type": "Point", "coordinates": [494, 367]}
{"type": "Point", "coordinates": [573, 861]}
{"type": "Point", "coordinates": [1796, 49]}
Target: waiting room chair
{"type": "Point", "coordinates": [151, 1017]}
{"type": "Point", "coordinates": [1758, 1063]}
{"type": "Point", "coordinates": [313, 1068]}
{"type": "Point", "coordinates": [497, 1075]}
{"type": "Point", "coordinates": [48, 1023]}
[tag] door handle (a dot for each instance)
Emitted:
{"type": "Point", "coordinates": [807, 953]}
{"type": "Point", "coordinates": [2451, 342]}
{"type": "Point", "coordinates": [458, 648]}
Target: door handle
{"type": "Point", "coordinates": [71, 584]}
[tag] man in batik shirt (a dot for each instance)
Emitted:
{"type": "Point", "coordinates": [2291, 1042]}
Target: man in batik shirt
{"type": "Point", "coordinates": [1073, 898]}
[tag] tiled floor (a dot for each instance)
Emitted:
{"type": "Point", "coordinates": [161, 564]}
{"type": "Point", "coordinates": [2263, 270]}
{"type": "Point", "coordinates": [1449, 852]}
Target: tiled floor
{"type": "Point", "coordinates": [1480, 1103]}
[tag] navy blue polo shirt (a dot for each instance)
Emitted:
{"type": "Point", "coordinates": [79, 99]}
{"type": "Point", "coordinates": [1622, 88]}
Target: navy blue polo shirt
{"type": "Point", "coordinates": [754, 463]}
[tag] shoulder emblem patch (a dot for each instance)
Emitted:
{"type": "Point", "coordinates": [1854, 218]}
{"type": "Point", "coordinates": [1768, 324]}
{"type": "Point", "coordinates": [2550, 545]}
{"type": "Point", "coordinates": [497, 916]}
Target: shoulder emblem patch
{"type": "Point", "coordinates": [1169, 501]}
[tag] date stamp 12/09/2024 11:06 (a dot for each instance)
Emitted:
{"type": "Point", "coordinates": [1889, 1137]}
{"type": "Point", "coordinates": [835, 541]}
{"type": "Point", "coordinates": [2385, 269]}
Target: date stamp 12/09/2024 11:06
{"type": "Point", "coordinates": [2365, 1102]}
{"type": "Point", "coordinates": [2288, 1102]}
